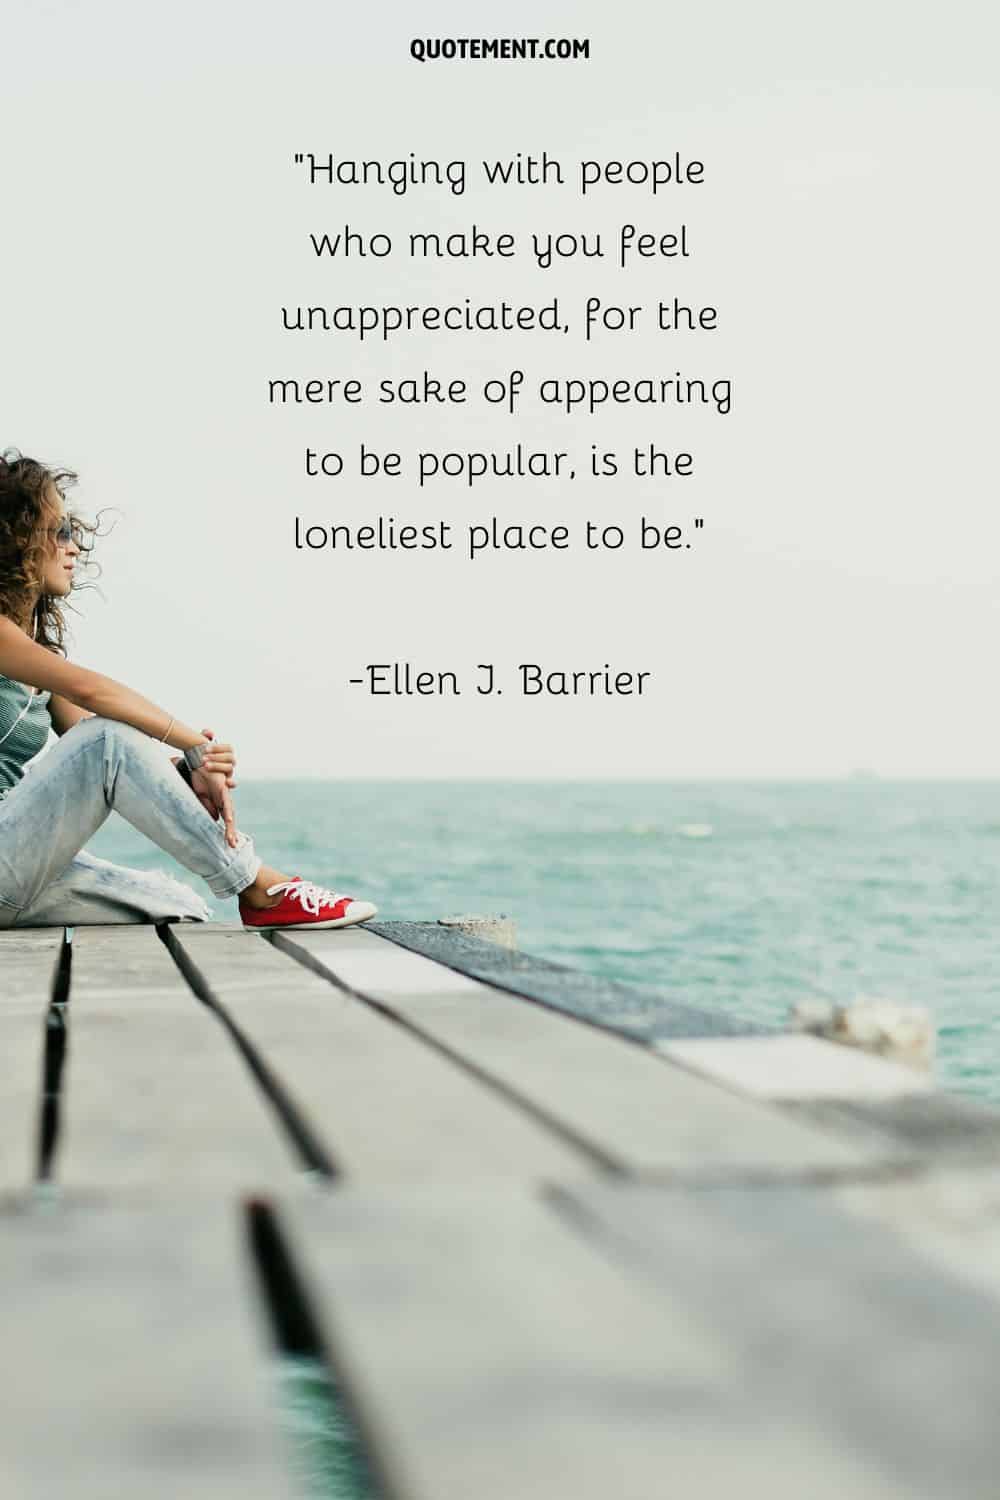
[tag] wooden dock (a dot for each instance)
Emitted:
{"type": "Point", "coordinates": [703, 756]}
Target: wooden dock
{"type": "Point", "coordinates": [555, 1238]}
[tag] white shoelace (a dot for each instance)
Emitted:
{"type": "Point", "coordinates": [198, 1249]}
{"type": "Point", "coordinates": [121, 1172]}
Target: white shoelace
{"type": "Point", "coordinates": [311, 897]}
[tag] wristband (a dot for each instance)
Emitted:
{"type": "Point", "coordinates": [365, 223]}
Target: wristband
{"type": "Point", "coordinates": [196, 755]}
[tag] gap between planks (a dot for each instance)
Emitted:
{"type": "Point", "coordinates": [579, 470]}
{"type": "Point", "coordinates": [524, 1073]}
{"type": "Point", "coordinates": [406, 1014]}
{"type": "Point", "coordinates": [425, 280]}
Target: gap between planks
{"type": "Point", "coordinates": [643, 1111]}
{"type": "Point", "coordinates": [135, 1353]}
{"type": "Point", "coordinates": [394, 1107]}
{"type": "Point", "coordinates": [28, 961]}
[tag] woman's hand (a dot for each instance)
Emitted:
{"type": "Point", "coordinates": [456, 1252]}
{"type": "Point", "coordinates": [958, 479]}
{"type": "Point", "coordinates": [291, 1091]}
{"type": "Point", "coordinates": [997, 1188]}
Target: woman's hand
{"type": "Point", "coordinates": [212, 790]}
{"type": "Point", "coordinates": [220, 758]}
{"type": "Point", "coordinates": [211, 783]}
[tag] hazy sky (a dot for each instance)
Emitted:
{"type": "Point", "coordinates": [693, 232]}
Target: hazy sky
{"type": "Point", "coordinates": [839, 610]}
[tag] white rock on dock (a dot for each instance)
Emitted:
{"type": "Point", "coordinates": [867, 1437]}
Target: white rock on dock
{"type": "Point", "coordinates": [496, 929]}
{"type": "Point", "coordinates": [905, 1033]}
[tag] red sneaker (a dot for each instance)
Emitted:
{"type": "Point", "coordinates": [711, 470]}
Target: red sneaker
{"type": "Point", "coordinates": [303, 904]}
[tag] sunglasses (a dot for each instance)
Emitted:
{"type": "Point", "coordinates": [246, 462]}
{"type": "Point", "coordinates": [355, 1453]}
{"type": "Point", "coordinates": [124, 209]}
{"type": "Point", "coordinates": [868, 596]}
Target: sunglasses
{"type": "Point", "coordinates": [63, 533]}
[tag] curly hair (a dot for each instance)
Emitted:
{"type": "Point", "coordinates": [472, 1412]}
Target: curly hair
{"type": "Point", "coordinates": [24, 544]}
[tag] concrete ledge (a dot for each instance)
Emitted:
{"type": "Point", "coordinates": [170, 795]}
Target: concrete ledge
{"type": "Point", "coordinates": [650, 1016]}
{"type": "Point", "coordinates": [796, 1066]}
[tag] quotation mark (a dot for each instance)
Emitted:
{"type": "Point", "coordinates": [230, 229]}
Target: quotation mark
{"type": "Point", "coordinates": [299, 158]}
{"type": "Point", "coordinates": [699, 523]}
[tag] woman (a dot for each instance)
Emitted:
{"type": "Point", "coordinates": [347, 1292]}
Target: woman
{"type": "Point", "coordinates": [107, 757]}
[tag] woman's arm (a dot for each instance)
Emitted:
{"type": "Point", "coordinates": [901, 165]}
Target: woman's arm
{"type": "Point", "coordinates": [77, 693]}
{"type": "Point", "coordinates": [25, 661]}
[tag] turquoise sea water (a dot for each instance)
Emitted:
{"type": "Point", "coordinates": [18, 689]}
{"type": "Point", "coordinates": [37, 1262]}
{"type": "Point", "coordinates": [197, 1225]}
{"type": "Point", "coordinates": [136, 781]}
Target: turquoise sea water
{"type": "Point", "coordinates": [741, 896]}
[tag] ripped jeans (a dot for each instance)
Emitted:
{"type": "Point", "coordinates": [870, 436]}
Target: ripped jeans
{"type": "Point", "coordinates": [47, 879]}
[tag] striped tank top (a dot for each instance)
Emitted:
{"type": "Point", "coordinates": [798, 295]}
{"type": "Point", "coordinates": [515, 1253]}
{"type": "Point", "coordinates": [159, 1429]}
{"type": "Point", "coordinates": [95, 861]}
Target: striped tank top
{"type": "Point", "coordinates": [22, 734]}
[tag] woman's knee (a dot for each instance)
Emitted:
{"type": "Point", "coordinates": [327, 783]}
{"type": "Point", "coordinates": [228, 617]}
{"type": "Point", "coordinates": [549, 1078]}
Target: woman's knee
{"type": "Point", "coordinates": [113, 732]}
{"type": "Point", "coordinates": [114, 746]}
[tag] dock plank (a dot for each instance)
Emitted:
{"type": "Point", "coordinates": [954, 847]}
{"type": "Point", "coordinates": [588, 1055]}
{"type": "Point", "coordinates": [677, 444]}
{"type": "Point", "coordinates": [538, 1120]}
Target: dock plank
{"type": "Point", "coordinates": [155, 1091]}
{"type": "Point", "coordinates": [641, 1110]}
{"type": "Point", "coordinates": [950, 1212]}
{"type": "Point", "coordinates": [134, 1357]}
{"type": "Point", "coordinates": [392, 1107]}
{"type": "Point", "coordinates": [492, 1352]}
{"type": "Point", "coordinates": [27, 964]}
{"type": "Point", "coordinates": [824, 1312]}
